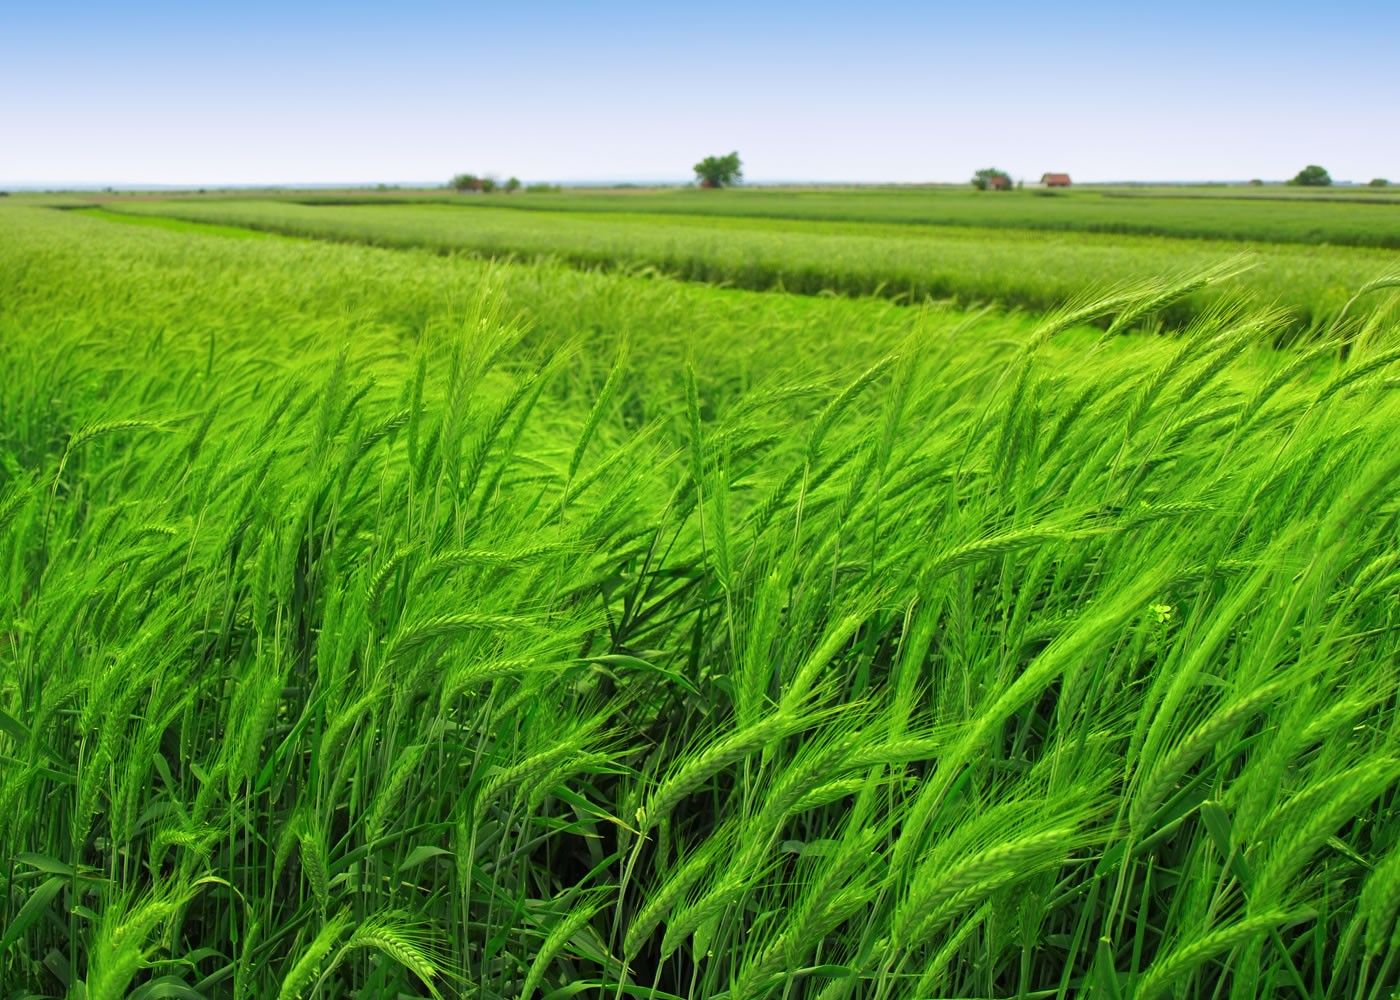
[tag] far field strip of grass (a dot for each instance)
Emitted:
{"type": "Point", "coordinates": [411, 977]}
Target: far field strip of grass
{"type": "Point", "coordinates": [1014, 268]}
{"type": "Point", "coordinates": [175, 225]}
{"type": "Point", "coordinates": [1276, 218]}
{"type": "Point", "coordinates": [1352, 194]}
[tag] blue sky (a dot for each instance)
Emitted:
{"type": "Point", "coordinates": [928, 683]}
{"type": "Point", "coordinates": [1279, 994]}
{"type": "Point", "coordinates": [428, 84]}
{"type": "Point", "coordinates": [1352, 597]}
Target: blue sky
{"type": "Point", "coordinates": [174, 93]}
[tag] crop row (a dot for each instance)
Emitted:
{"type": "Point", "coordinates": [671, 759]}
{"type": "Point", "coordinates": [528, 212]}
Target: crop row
{"type": "Point", "coordinates": [1370, 219]}
{"type": "Point", "coordinates": [1010, 268]}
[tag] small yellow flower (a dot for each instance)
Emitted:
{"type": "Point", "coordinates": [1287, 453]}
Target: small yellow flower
{"type": "Point", "coordinates": [1163, 613]}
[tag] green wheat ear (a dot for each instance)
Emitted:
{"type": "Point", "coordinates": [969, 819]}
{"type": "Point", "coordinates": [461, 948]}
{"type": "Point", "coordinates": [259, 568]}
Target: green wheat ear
{"type": "Point", "coordinates": [1166, 970]}
{"type": "Point", "coordinates": [308, 966]}
{"type": "Point", "coordinates": [559, 937]}
{"type": "Point", "coordinates": [1379, 906]}
{"type": "Point", "coordinates": [399, 938]}
{"type": "Point", "coordinates": [123, 939]}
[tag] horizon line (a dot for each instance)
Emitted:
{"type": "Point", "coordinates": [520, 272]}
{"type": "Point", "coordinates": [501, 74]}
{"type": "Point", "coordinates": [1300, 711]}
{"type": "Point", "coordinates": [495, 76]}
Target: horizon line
{"type": "Point", "coordinates": [58, 187]}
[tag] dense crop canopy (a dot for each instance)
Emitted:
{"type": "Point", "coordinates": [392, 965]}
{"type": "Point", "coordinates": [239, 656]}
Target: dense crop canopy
{"type": "Point", "coordinates": [376, 623]}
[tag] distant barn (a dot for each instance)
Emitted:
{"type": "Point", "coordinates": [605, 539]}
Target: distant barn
{"type": "Point", "coordinates": [1055, 180]}
{"type": "Point", "coordinates": [999, 182]}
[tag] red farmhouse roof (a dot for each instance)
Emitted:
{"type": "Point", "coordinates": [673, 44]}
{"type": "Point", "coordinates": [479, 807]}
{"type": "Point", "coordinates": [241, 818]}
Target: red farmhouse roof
{"type": "Point", "coordinates": [1055, 180]}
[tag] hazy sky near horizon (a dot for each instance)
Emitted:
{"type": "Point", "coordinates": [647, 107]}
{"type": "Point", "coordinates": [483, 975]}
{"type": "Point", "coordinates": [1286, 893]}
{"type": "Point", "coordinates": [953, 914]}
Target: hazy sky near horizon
{"type": "Point", "coordinates": [262, 93]}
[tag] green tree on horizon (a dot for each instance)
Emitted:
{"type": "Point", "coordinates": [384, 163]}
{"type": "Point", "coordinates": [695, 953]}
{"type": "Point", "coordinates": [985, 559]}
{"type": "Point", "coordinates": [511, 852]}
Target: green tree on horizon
{"type": "Point", "coordinates": [1312, 176]}
{"type": "Point", "coordinates": [719, 171]}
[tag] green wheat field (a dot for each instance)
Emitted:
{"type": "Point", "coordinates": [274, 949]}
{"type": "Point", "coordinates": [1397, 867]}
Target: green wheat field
{"type": "Point", "coordinates": [658, 596]}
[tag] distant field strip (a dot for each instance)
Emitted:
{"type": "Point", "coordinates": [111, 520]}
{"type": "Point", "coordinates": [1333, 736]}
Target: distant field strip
{"type": "Point", "coordinates": [1368, 220]}
{"type": "Point", "coordinates": [173, 225]}
{"type": "Point", "coordinates": [1016, 268]}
